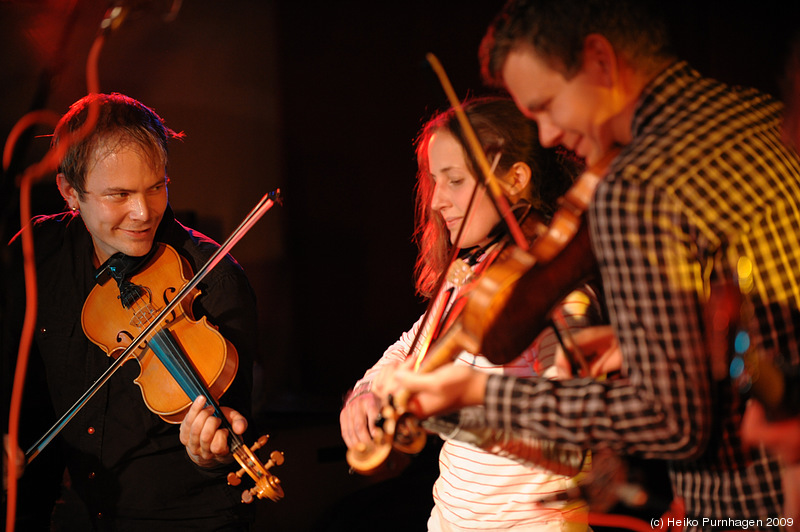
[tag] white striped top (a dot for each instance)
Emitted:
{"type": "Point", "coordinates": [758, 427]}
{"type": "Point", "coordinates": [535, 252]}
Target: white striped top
{"type": "Point", "coordinates": [478, 490]}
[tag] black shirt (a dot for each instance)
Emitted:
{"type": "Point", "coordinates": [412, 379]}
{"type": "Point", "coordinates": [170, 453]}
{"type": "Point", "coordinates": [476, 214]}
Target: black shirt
{"type": "Point", "coordinates": [127, 464]}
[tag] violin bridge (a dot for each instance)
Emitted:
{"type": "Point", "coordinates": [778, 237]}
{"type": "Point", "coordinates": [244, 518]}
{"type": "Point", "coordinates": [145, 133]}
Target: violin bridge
{"type": "Point", "coordinates": [143, 316]}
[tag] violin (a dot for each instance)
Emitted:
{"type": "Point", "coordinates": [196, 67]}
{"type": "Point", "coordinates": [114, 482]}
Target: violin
{"type": "Point", "coordinates": [147, 316]}
{"type": "Point", "coordinates": [398, 430]}
{"type": "Point", "coordinates": [113, 314]}
{"type": "Point", "coordinates": [502, 310]}
{"type": "Point", "coordinates": [169, 380]}
{"type": "Point", "coordinates": [513, 309]}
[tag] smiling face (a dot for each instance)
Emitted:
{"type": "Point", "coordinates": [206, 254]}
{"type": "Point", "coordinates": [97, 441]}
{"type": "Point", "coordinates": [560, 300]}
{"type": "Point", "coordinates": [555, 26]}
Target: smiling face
{"type": "Point", "coordinates": [123, 202]}
{"type": "Point", "coordinates": [453, 186]}
{"type": "Point", "coordinates": [578, 113]}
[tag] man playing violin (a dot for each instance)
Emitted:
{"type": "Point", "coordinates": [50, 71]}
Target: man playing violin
{"type": "Point", "coordinates": [701, 180]}
{"type": "Point", "coordinates": [131, 469]}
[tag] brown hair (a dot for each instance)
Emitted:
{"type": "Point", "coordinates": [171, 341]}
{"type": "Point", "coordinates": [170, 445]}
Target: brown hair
{"type": "Point", "coordinates": [556, 29]}
{"type": "Point", "coordinates": [500, 128]}
{"type": "Point", "coordinates": [121, 120]}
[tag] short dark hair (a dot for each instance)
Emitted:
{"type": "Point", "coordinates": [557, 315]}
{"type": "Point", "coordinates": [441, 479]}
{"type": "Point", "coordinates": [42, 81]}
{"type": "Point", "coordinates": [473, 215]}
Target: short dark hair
{"type": "Point", "coordinates": [121, 119]}
{"type": "Point", "coordinates": [556, 29]}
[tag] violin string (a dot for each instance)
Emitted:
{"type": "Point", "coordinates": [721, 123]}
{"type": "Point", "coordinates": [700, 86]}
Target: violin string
{"type": "Point", "coordinates": [166, 348]}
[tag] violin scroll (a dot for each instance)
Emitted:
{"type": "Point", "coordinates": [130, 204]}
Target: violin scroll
{"type": "Point", "coordinates": [369, 458]}
{"type": "Point", "coordinates": [267, 485]}
{"type": "Point", "coordinates": [404, 429]}
{"type": "Point", "coordinates": [396, 430]}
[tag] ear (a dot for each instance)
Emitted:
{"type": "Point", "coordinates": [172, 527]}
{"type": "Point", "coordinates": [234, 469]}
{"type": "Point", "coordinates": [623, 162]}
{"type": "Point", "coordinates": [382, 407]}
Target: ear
{"type": "Point", "coordinates": [68, 192]}
{"type": "Point", "coordinates": [517, 179]}
{"type": "Point", "coordinates": [600, 60]}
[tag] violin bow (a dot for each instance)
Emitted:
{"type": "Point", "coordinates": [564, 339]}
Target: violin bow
{"type": "Point", "coordinates": [258, 211]}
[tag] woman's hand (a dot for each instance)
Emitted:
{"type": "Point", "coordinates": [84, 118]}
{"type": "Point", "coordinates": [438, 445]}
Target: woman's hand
{"type": "Point", "coordinates": [357, 418]}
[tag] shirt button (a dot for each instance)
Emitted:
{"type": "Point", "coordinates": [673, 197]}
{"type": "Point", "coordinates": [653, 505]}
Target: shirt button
{"type": "Point", "coordinates": [99, 515]}
{"type": "Point", "coordinates": [90, 430]}
{"type": "Point", "coordinates": [91, 475]}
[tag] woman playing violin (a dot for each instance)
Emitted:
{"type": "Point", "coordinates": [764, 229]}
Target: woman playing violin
{"type": "Point", "coordinates": [130, 468]}
{"type": "Point", "coordinates": [477, 489]}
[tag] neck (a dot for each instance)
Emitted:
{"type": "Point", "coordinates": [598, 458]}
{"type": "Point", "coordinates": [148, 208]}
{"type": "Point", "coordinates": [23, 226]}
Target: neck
{"type": "Point", "coordinates": [632, 82]}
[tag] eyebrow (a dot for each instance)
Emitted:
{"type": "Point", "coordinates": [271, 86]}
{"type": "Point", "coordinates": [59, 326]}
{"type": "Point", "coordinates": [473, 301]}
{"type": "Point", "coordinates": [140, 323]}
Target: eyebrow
{"type": "Point", "coordinates": [452, 168]}
{"type": "Point", "coordinates": [117, 190]}
{"type": "Point", "coordinates": [535, 107]}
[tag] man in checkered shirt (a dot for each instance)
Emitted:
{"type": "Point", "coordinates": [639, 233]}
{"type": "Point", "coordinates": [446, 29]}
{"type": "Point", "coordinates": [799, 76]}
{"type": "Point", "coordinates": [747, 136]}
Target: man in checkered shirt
{"type": "Point", "coordinates": [701, 179]}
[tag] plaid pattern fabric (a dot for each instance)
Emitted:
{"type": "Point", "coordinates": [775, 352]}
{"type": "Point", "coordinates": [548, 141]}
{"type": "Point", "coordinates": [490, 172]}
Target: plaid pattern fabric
{"type": "Point", "coordinates": [704, 181]}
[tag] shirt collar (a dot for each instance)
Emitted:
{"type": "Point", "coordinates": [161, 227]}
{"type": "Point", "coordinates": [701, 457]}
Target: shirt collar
{"type": "Point", "coordinates": [660, 92]}
{"type": "Point", "coordinates": [166, 222]}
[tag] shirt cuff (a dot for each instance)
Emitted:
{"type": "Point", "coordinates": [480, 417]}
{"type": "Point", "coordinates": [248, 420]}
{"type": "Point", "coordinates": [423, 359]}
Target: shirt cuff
{"type": "Point", "coordinates": [360, 389]}
{"type": "Point", "coordinates": [495, 385]}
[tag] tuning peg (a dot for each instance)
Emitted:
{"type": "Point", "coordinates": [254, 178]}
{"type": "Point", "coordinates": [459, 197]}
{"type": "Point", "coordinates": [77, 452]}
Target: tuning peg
{"type": "Point", "coordinates": [267, 485]}
{"type": "Point", "coordinates": [234, 479]}
{"type": "Point", "coordinates": [275, 458]}
{"type": "Point", "coordinates": [261, 442]}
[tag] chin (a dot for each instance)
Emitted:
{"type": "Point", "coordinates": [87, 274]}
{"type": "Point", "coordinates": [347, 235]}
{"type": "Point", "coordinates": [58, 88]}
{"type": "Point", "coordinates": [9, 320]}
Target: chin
{"type": "Point", "coordinates": [137, 250]}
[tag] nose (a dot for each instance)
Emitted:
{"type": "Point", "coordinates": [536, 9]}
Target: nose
{"type": "Point", "coordinates": [139, 207]}
{"type": "Point", "coordinates": [438, 199]}
{"type": "Point", "coordinates": [549, 133]}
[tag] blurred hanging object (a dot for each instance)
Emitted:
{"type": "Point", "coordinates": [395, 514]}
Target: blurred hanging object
{"type": "Point", "coordinates": [119, 10]}
{"type": "Point", "coordinates": [113, 18]}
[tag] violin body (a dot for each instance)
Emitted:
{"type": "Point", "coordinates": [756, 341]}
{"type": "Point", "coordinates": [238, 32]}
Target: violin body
{"type": "Point", "coordinates": [112, 325]}
{"type": "Point", "coordinates": [516, 307]}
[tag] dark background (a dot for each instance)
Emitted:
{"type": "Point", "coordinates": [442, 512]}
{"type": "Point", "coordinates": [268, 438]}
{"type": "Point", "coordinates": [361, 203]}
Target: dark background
{"type": "Point", "coordinates": [322, 100]}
